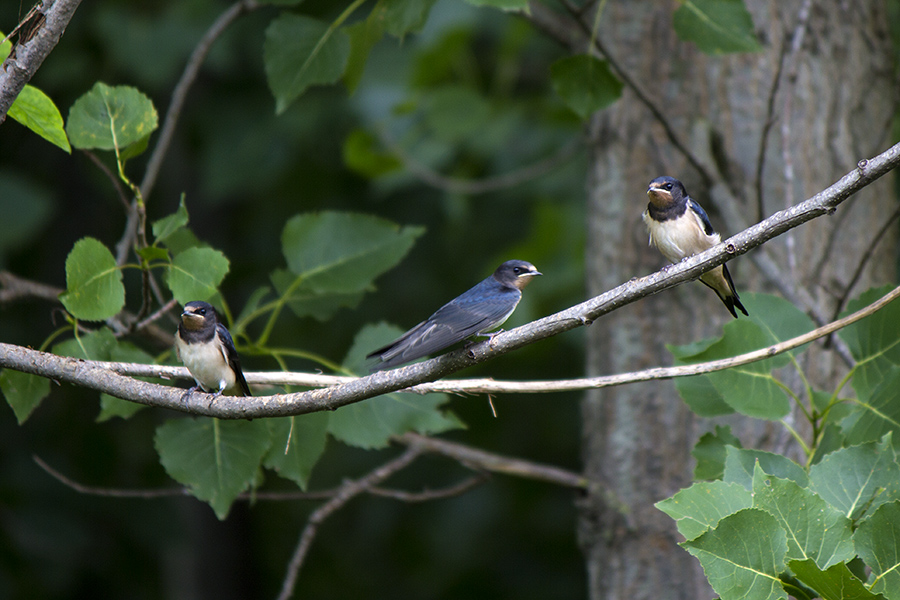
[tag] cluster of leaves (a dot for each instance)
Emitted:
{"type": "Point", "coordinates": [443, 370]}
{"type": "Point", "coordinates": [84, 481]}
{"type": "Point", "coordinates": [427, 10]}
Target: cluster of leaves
{"type": "Point", "coordinates": [332, 260]}
{"type": "Point", "coordinates": [764, 526]}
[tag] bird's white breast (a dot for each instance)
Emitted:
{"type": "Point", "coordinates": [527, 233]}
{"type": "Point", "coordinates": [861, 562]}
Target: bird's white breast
{"type": "Point", "coordinates": [679, 238]}
{"type": "Point", "coordinates": [207, 364]}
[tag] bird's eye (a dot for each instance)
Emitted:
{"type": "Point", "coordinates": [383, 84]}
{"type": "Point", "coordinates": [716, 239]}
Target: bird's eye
{"type": "Point", "coordinates": [668, 187]}
{"type": "Point", "coordinates": [517, 270]}
{"type": "Point", "coordinates": [201, 311]}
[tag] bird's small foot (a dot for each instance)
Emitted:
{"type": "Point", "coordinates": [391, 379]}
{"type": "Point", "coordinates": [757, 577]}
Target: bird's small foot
{"type": "Point", "coordinates": [187, 393]}
{"type": "Point", "coordinates": [490, 337]}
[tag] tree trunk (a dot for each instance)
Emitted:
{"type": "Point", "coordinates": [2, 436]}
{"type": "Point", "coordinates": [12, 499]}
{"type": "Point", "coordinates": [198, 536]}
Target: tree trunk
{"type": "Point", "coordinates": [833, 106]}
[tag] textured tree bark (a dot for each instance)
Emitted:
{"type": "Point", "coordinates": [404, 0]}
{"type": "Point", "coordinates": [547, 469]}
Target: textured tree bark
{"type": "Point", "coordinates": [833, 106]}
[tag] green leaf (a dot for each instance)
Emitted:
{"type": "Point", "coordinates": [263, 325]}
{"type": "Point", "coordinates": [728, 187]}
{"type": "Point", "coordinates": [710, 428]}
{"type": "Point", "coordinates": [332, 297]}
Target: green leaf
{"type": "Point", "coordinates": [504, 5]}
{"type": "Point", "coordinates": [35, 110]}
{"type": "Point", "coordinates": [363, 37]}
{"type": "Point", "coordinates": [751, 389]}
{"type": "Point", "coordinates": [107, 118]}
{"type": "Point", "coordinates": [815, 530]}
{"type": "Point", "coordinates": [363, 154]}
{"type": "Point", "coordinates": [858, 479]}
{"type": "Point", "coordinates": [168, 225]}
{"type": "Point", "coordinates": [585, 83]}
{"type": "Point", "coordinates": [297, 444]}
{"type": "Point", "coordinates": [740, 465]}
{"type": "Point", "coordinates": [338, 252]}
{"type": "Point", "coordinates": [834, 583]}
{"type": "Point", "coordinates": [703, 505]}
{"type": "Point", "coordinates": [878, 544]}
{"type": "Point", "coordinates": [698, 393]}
{"type": "Point", "coordinates": [405, 16]}
{"type": "Point", "coordinates": [23, 392]}
{"type": "Point", "coordinates": [151, 253]}
{"type": "Point", "coordinates": [750, 568]}
{"type": "Point", "coordinates": [305, 300]}
{"type": "Point", "coordinates": [94, 289]}
{"type": "Point", "coordinates": [216, 460]}
{"type": "Point", "coordinates": [196, 273]}
{"type": "Point", "coordinates": [710, 452]}
{"type": "Point", "coordinates": [300, 52]}
{"type": "Point", "coordinates": [873, 341]}
{"type": "Point", "coordinates": [135, 149]}
{"type": "Point", "coordinates": [881, 414]}
{"type": "Point", "coordinates": [372, 422]}
{"type": "Point", "coordinates": [716, 26]}
{"type": "Point", "coordinates": [110, 406]}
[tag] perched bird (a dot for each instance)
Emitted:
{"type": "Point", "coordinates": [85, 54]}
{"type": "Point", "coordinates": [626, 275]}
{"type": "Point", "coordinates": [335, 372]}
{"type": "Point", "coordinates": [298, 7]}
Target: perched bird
{"type": "Point", "coordinates": [481, 309]}
{"type": "Point", "coordinates": [207, 350]}
{"type": "Point", "coordinates": [679, 228]}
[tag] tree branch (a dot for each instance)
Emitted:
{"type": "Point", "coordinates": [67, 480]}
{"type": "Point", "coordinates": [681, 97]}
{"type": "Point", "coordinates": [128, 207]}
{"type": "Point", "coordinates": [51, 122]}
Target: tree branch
{"type": "Point", "coordinates": [346, 492]}
{"type": "Point", "coordinates": [90, 375]}
{"type": "Point", "coordinates": [488, 385]}
{"type": "Point", "coordinates": [25, 59]}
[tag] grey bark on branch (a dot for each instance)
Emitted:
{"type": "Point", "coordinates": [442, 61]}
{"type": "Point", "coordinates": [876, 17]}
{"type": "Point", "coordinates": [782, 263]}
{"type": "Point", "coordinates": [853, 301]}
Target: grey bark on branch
{"type": "Point", "coordinates": [26, 58]}
{"type": "Point", "coordinates": [91, 376]}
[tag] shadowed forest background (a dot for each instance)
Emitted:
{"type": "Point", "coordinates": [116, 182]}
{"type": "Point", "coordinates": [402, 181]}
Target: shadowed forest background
{"type": "Point", "coordinates": [423, 139]}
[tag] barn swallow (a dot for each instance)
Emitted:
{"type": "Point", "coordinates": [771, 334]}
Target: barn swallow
{"type": "Point", "coordinates": [679, 228]}
{"type": "Point", "coordinates": [207, 350]}
{"type": "Point", "coordinates": [483, 308]}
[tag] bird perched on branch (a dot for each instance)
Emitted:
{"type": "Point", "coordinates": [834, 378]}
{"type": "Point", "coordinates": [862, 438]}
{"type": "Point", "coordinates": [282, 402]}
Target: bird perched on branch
{"type": "Point", "coordinates": [679, 228]}
{"type": "Point", "coordinates": [207, 350]}
{"type": "Point", "coordinates": [479, 310]}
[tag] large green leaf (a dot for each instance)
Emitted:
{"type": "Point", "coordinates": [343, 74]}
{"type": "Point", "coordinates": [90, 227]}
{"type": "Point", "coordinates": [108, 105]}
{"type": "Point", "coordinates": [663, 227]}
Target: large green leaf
{"type": "Point", "coordinates": [300, 52]}
{"type": "Point", "coordinates": [748, 569]}
{"type": "Point", "coordinates": [716, 26]}
{"type": "Point", "coordinates": [405, 16]}
{"type": "Point", "coordinates": [455, 113]}
{"type": "Point", "coordinates": [750, 389]}
{"type": "Point", "coordinates": [873, 341]}
{"type": "Point", "coordinates": [23, 392]}
{"type": "Point", "coordinates": [858, 479]}
{"type": "Point", "coordinates": [306, 300]}
{"type": "Point", "coordinates": [196, 273]}
{"type": "Point", "coordinates": [97, 345]}
{"type": "Point", "coordinates": [94, 289]}
{"type": "Point", "coordinates": [363, 37]}
{"type": "Point", "coordinates": [216, 460]}
{"type": "Point", "coordinates": [297, 444]}
{"type": "Point", "coordinates": [815, 530]}
{"type": "Point", "coordinates": [35, 110]}
{"type": "Point", "coordinates": [880, 414]}
{"type": "Point", "coordinates": [834, 583]}
{"type": "Point", "coordinates": [337, 252]}
{"type": "Point", "coordinates": [372, 422]}
{"type": "Point", "coordinates": [107, 117]}
{"type": "Point", "coordinates": [878, 544]}
{"type": "Point", "coordinates": [709, 452]}
{"type": "Point", "coordinates": [740, 464]}
{"type": "Point", "coordinates": [585, 83]}
{"type": "Point", "coordinates": [703, 505]}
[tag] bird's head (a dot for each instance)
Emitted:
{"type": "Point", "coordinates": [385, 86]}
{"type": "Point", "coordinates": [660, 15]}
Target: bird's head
{"type": "Point", "coordinates": [665, 192]}
{"type": "Point", "coordinates": [197, 315]}
{"type": "Point", "coordinates": [517, 273]}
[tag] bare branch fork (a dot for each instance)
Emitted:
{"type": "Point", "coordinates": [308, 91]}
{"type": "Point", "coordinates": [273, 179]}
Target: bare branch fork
{"type": "Point", "coordinates": [91, 376]}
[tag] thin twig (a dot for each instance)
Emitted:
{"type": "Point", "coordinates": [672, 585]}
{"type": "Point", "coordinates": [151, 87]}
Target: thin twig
{"type": "Point", "coordinates": [764, 135]}
{"type": "Point", "coordinates": [108, 492]}
{"type": "Point", "coordinates": [346, 492]}
{"type": "Point", "coordinates": [113, 178]}
{"type": "Point", "coordinates": [451, 491]}
{"type": "Point", "coordinates": [13, 287]}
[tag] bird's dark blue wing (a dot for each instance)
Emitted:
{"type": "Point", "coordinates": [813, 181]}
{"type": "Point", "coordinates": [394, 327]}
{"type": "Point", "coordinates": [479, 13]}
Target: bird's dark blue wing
{"type": "Point", "coordinates": [482, 308]}
{"type": "Point", "coordinates": [704, 218]}
{"type": "Point", "coordinates": [234, 362]}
